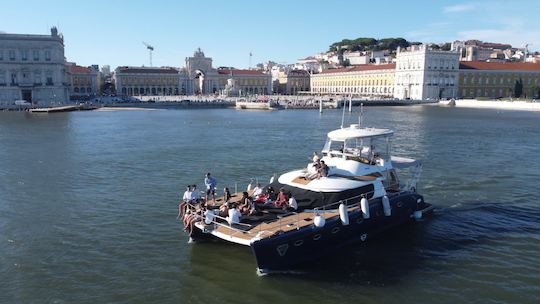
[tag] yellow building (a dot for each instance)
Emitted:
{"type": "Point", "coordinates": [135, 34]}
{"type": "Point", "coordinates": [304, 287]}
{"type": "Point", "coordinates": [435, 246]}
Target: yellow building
{"type": "Point", "coordinates": [293, 82]}
{"type": "Point", "coordinates": [146, 81]}
{"type": "Point", "coordinates": [498, 79]}
{"type": "Point", "coordinates": [247, 82]}
{"type": "Point", "coordinates": [82, 81]}
{"type": "Point", "coordinates": [361, 80]}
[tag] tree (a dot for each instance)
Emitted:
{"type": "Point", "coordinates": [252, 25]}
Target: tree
{"type": "Point", "coordinates": [518, 88]}
{"type": "Point", "coordinates": [446, 46]}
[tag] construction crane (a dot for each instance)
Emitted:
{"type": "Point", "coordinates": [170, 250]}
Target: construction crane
{"type": "Point", "coordinates": [526, 51]}
{"type": "Point", "coordinates": [150, 50]}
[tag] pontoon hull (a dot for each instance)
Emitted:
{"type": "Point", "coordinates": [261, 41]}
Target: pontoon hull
{"type": "Point", "coordinates": [285, 250]}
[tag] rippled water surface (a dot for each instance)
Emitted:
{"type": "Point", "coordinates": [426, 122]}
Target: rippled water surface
{"type": "Point", "coordinates": [88, 203]}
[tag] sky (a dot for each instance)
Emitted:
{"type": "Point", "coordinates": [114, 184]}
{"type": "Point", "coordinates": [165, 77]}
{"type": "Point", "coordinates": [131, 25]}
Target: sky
{"type": "Point", "coordinates": [112, 32]}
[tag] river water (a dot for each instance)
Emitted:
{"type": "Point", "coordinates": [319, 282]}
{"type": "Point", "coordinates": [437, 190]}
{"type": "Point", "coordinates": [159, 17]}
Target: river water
{"type": "Point", "coordinates": [88, 204]}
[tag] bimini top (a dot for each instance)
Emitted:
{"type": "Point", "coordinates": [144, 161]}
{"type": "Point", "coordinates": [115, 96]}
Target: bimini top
{"type": "Point", "coordinates": [354, 131]}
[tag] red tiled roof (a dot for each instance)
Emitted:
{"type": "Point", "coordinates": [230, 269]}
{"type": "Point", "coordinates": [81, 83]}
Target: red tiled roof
{"type": "Point", "coordinates": [79, 69]}
{"type": "Point", "coordinates": [512, 66]}
{"type": "Point", "coordinates": [240, 72]}
{"type": "Point", "coordinates": [362, 67]}
{"type": "Point", "coordinates": [145, 70]}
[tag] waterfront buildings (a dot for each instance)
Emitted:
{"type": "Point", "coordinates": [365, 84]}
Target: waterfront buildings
{"type": "Point", "coordinates": [83, 82]}
{"type": "Point", "coordinates": [498, 79]}
{"type": "Point", "coordinates": [362, 80]}
{"type": "Point", "coordinates": [32, 68]}
{"type": "Point", "coordinates": [292, 82]}
{"type": "Point", "coordinates": [197, 77]}
{"type": "Point", "coordinates": [423, 73]}
{"type": "Point", "coordinates": [146, 81]}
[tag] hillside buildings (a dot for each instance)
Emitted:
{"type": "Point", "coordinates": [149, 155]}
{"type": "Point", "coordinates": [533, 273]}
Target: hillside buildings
{"type": "Point", "coordinates": [33, 68]}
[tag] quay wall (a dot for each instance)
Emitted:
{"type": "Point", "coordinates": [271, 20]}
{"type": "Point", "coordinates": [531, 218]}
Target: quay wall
{"type": "Point", "coordinates": [499, 104]}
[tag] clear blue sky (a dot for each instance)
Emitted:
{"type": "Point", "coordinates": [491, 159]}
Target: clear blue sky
{"type": "Point", "coordinates": [111, 32]}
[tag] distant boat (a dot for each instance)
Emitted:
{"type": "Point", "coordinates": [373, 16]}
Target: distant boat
{"type": "Point", "coordinates": [261, 103]}
{"type": "Point", "coordinates": [22, 103]}
{"type": "Point", "coordinates": [450, 102]}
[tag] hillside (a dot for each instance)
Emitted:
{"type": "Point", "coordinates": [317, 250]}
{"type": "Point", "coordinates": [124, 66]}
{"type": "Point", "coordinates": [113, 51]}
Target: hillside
{"type": "Point", "coordinates": [369, 44]}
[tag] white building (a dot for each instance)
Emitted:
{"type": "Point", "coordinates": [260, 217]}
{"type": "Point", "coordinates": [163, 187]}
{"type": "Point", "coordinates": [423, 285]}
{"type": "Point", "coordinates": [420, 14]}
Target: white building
{"type": "Point", "coordinates": [32, 68]}
{"type": "Point", "coordinates": [422, 73]}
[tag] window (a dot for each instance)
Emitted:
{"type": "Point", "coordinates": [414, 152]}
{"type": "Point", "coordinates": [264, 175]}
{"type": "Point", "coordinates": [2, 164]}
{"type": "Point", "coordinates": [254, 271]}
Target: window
{"type": "Point", "coordinates": [35, 54]}
{"type": "Point", "coordinates": [24, 55]}
{"type": "Point", "coordinates": [49, 78]}
{"type": "Point", "coordinates": [11, 55]}
{"type": "Point", "coordinates": [1, 55]}
{"type": "Point", "coordinates": [37, 77]}
{"type": "Point", "coordinates": [2, 78]}
{"type": "Point", "coordinates": [13, 78]}
{"type": "Point", "coordinates": [47, 55]}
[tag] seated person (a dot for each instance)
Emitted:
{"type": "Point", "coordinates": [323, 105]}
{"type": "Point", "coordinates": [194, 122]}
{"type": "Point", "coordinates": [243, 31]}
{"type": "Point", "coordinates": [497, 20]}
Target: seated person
{"type": "Point", "coordinates": [291, 206]}
{"type": "Point", "coordinates": [312, 170]}
{"type": "Point", "coordinates": [246, 205]}
{"type": "Point", "coordinates": [257, 191]}
{"type": "Point", "coordinates": [226, 195]}
{"type": "Point", "coordinates": [282, 199]}
{"type": "Point", "coordinates": [323, 171]}
{"type": "Point", "coordinates": [271, 193]}
{"type": "Point", "coordinates": [233, 215]}
{"type": "Point", "coordinates": [195, 196]}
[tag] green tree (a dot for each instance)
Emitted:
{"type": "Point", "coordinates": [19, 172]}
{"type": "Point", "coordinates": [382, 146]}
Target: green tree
{"type": "Point", "coordinates": [518, 88]}
{"type": "Point", "coordinates": [446, 46]}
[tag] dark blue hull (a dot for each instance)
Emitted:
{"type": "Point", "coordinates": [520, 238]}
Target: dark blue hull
{"type": "Point", "coordinates": [285, 250]}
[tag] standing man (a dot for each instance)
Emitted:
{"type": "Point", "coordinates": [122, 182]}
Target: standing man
{"type": "Point", "coordinates": [210, 183]}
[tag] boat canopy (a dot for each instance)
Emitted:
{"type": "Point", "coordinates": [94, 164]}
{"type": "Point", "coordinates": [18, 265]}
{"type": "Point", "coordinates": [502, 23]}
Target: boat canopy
{"type": "Point", "coordinates": [354, 131]}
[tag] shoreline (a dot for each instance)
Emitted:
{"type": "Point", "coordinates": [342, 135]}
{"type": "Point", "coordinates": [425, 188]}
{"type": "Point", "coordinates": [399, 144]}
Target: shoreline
{"type": "Point", "coordinates": [518, 105]}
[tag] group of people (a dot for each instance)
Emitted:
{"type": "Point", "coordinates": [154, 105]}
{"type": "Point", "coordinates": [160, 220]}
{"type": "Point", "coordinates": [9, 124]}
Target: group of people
{"type": "Point", "coordinates": [193, 205]}
{"type": "Point", "coordinates": [318, 168]}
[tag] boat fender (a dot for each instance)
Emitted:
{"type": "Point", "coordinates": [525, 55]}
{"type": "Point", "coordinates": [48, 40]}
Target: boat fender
{"type": "Point", "coordinates": [249, 187]}
{"type": "Point", "coordinates": [364, 205]}
{"type": "Point", "coordinates": [418, 215]}
{"type": "Point", "coordinates": [343, 214]}
{"type": "Point", "coordinates": [386, 206]}
{"type": "Point", "coordinates": [271, 179]}
{"type": "Point", "coordinates": [319, 221]}
{"type": "Point", "coordinates": [208, 217]}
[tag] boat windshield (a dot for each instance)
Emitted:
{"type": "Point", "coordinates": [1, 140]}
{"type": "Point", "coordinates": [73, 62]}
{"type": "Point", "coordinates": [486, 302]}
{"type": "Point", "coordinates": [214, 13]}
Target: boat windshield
{"type": "Point", "coordinates": [365, 147]}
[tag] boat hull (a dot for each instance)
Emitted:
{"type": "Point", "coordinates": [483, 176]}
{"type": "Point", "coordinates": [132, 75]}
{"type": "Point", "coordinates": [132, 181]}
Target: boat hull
{"type": "Point", "coordinates": [283, 251]}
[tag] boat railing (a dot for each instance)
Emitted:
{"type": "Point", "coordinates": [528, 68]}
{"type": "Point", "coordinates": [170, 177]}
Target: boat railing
{"type": "Point", "coordinates": [285, 219]}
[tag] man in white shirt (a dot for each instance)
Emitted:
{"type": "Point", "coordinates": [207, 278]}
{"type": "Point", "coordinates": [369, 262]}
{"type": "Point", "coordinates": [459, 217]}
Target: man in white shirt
{"type": "Point", "coordinates": [187, 194]}
{"type": "Point", "coordinates": [257, 191]}
{"type": "Point", "coordinates": [186, 198]}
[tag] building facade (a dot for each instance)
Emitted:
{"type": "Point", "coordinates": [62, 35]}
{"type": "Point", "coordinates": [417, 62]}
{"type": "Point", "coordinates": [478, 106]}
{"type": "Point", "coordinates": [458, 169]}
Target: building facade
{"type": "Point", "coordinates": [498, 79]}
{"type": "Point", "coordinates": [293, 82]}
{"type": "Point", "coordinates": [83, 82]}
{"type": "Point", "coordinates": [33, 68]}
{"type": "Point", "coordinates": [362, 80]}
{"type": "Point", "coordinates": [422, 73]}
{"type": "Point", "coordinates": [133, 81]}
{"type": "Point", "coordinates": [197, 77]}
